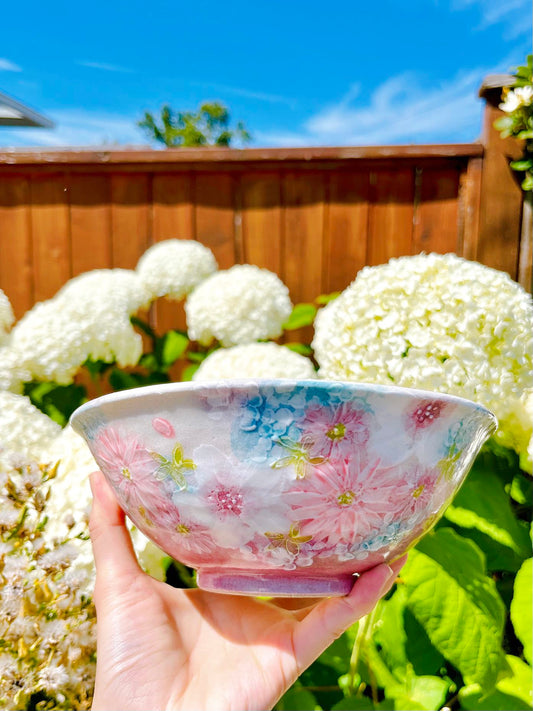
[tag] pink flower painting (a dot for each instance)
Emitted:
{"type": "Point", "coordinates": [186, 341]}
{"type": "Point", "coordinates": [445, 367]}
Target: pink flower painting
{"type": "Point", "coordinates": [128, 465]}
{"type": "Point", "coordinates": [230, 499]}
{"type": "Point", "coordinates": [426, 413]}
{"type": "Point", "coordinates": [335, 429]}
{"type": "Point", "coordinates": [348, 502]}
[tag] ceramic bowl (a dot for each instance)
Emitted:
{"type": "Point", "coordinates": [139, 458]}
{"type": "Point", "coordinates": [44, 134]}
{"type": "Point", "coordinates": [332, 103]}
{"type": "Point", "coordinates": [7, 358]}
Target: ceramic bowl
{"type": "Point", "coordinates": [283, 487]}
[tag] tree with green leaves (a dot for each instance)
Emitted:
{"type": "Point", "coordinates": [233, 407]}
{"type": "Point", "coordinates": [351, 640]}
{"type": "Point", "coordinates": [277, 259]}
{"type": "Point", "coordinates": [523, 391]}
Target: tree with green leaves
{"type": "Point", "coordinates": [208, 126]}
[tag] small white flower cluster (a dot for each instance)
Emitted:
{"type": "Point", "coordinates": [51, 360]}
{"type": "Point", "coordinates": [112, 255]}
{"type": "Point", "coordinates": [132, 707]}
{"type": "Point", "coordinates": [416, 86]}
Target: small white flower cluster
{"type": "Point", "coordinates": [47, 622]}
{"type": "Point", "coordinates": [6, 316]}
{"type": "Point", "coordinates": [516, 98]}
{"type": "Point", "coordinates": [88, 318]}
{"type": "Point", "coordinates": [24, 430]}
{"type": "Point", "coordinates": [255, 360]}
{"type": "Point", "coordinates": [174, 267]}
{"type": "Point", "coordinates": [434, 322]}
{"type": "Point", "coordinates": [240, 305]}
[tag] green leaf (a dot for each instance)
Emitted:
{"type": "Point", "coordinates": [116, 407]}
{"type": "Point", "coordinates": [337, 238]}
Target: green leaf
{"type": "Point", "coordinates": [300, 348]}
{"type": "Point", "coordinates": [483, 503]}
{"type": "Point", "coordinates": [458, 605]}
{"type": "Point", "coordinates": [143, 326]}
{"type": "Point", "coordinates": [420, 692]}
{"type": "Point", "coordinates": [521, 604]}
{"type": "Point", "coordinates": [302, 315]}
{"type": "Point", "coordinates": [189, 371]}
{"type": "Point", "coordinates": [527, 183]}
{"type": "Point", "coordinates": [354, 703]}
{"type": "Point", "coordinates": [521, 164]}
{"type": "Point", "coordinates": [512, 693]}
{"type": "Point", "coordinates": [173, 347]}
{"type": "Point", "coordinates": [403, 641]}
{"type": "Point", "coordinates": [297, 699]}
{"type": "Point", "coordinates": [337, 655]}
{"type": "Point", "coordinates": [56, 401]}
{"type": "Point", "coordinates": [95, 368]}
{"type": "Point", "coordinates": [326, 298]}
{"type": "Point", "coordinates": [522, 490]}
{"type": "Point", "coordinates": [197, 356]}
{"type": "Point", "coordinates": [121, 380]}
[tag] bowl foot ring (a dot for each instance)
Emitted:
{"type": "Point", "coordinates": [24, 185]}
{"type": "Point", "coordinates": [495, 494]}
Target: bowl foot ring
{"type": "Point", "coordinates": [239, 582]}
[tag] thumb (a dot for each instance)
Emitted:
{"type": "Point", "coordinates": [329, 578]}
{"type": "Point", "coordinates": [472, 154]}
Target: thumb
{"type": "Point", "coordinates": [328, 620]}
{"type": "Point", "coordinates": [112, 547]}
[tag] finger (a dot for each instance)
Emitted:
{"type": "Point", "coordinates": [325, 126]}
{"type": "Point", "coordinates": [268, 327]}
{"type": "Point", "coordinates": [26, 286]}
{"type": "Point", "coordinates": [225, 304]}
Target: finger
{"type": "Point", "coordinates": [112, 547]}
{"type": "Point", "coordinates": [331, 617]}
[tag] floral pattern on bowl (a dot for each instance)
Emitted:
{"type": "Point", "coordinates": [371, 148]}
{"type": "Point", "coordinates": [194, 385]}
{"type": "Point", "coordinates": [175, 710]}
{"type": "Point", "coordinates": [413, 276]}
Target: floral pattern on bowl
{"type": "Point", "coordinates": [283, 487]}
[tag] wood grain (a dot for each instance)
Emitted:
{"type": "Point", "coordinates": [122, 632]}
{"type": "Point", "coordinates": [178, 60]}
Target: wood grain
{"type": "Point", "coordinates": [16, 267]}
{"type": "Point", "coordinates": [390, 230]}
{"type": "Point", "coordinates": [436, 214]}
{"type": "Point", "coordinates": [261, 214]}
{"type": "Point", "coordinates": [347, 228]}
{"type": "Point", "coordinates": [215, 216]}
{"type": "Point", "coordinates": [50, 232]}
{"type": "Point", "coordinates": [90, 222]}
{"type": "Point", "coordinates": [130, 219]}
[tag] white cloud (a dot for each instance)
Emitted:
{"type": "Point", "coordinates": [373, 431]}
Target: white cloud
{"type": "Point", "coordinates": [77, 127]}
{"type": "Point", "coordinates": [247, 93]}
{"type": "Point", "coordinates": [513, 15]}
{"type": "Point", "coordinates": [400, 110]}
{"type": "Point", "coordinates": [105, 67]}
{"type": "Point", "coordinates": [7, 66]}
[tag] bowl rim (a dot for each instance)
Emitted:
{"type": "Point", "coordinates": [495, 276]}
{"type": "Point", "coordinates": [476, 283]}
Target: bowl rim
{"type": "Point", "coordinates": [244, 384]}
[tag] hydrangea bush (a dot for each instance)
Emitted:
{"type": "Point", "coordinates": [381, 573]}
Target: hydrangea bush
{"type": "Point", "coordinates": [433, 322]}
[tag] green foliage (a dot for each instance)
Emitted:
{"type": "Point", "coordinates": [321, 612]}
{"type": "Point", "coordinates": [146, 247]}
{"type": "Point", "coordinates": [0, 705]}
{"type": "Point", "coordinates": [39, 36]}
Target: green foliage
{"type": "Point", "coordinates": [56, 401]}
{"type": "Point", "coordinates": [208, 126]}
{"type": "Point", "coordinates": [518, 121]}
{"type": "Point", "coordinates": [302, 315]}
{"type": "Point", "coordinates": [455, 631]}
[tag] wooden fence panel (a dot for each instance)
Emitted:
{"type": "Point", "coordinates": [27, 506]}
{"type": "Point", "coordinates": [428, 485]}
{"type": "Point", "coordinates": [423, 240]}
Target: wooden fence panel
{"type": "Point", "coordinates": [172, 206]}
{"type": "Point", "coordinates": [215, 216]}
{"type": "Point", "coordinates": [313, 216]}
{"type": "Point", "coordinates": [390, 232]}
{"type": "Point", "coordinates": [50, 235]}
{"type": "Point", "coordinates": [16, 265]}
{"type": "Point", "coordinates": [347, 228]}
{"type": "Point", "coordinates": [90, 222]}
{"type": "Point", "coordinates": [262, 220]}
{"type": "Point", "coordinates": [436, 211]}
{"type": "Point", "coordinates": [130, 219]}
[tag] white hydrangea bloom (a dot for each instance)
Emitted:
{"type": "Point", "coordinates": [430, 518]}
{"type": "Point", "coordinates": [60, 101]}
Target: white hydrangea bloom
{"type": "Point", "coordinates": [24, 430]}
{"type": "Point", "coordinates": [71, 497]}
{"type": "Point", "coordinates": [6, 316]}
{"type": "Point", "coordinates": [255, 360]}
{"type": "Point", "coordinates": [436, 322]}
{"type": "Point", "coordinates": [88, 318]}
{"type": "Point", "coordinates": [12, 372]}
{"type": "Point", "coordinates": [240, 305]}
{"type": "Point", "coordinates": [517, 429]}
{"type": "Point", "coordinates": [174, 267]}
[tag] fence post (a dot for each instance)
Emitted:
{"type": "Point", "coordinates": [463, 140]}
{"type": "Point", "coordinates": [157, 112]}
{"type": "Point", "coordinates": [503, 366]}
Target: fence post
{"type": "Point", "coordinates": [500, 218]}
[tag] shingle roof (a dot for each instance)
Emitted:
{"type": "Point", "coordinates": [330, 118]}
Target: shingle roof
{"type": "Point", "coordinates": [14, 113]}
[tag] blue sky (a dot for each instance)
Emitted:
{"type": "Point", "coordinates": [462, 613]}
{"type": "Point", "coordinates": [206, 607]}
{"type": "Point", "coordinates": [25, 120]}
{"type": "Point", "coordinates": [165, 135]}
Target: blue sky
{"type": "Point", "coordinates": [297, 72]}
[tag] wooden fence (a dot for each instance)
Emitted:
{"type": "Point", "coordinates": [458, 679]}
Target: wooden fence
{"type": "Point", "coordinates": [313, 216]}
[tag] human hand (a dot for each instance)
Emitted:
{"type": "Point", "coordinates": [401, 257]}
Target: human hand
{"type": "Point", "coordinates": [161, 648]}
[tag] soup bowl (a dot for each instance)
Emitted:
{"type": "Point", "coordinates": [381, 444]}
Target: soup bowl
{"type": "Point", "coordinates": [283, 487]}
